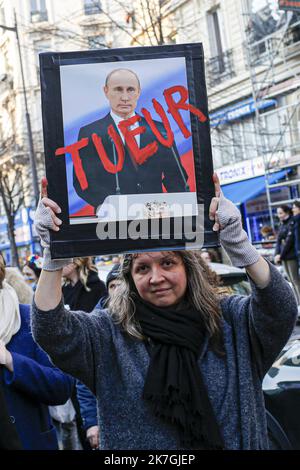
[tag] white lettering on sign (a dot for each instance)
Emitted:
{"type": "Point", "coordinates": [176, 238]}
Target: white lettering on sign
{"type": "Point", "coordinates": [241, 171]}
{"type": "Point", "coordinates": [236, 113]}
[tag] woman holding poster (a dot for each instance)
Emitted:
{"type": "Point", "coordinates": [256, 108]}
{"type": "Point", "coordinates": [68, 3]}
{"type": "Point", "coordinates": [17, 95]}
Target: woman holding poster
{"type": "Point", "coordinates": [173, 364]}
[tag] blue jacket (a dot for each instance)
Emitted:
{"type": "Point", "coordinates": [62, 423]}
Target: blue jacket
{"type": "Point", "coordinates": [88, 406]}
{"type": "Point", "coordinates": [34, 384]}
{"type": "Point", "coordinates": [114, 366]}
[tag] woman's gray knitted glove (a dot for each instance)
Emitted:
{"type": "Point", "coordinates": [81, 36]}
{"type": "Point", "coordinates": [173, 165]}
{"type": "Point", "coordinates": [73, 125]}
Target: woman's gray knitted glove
{"type": "Point", "coordinates": [233, 237]}
{"type": "Point", "coordinates": [42, 223]}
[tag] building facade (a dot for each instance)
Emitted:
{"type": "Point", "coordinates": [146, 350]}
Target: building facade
{"type": "Point", "coordinates": [252, 58]}
{"type": "Point", "coordinates": [42, 25]}
{"type": "Point", "coordinates": [252, 52]}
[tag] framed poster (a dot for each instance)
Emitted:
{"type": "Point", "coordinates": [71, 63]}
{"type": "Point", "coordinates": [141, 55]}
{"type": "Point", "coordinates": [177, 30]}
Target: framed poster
{"type": "Point", "coordinates": [127, 149]}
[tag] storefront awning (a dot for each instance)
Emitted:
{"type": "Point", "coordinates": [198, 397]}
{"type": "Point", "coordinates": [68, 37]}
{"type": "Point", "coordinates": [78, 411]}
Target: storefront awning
{"type": "Point", "coordinates": [244, 190]}
{"type": "Point", "coordinates": [239, 110]}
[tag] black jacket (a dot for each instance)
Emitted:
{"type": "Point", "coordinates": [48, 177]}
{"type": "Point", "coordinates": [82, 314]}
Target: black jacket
{"type": "Point", "coordinates": [297, 236]}
{"type": "Point", "coordinates": [78, 298]}
{"type": "Point", "coordinates": [161, 167]}
{"type": "Point", "coordinates": [9, 439]}
{"type": "Point", "coordinates": [285, 244]}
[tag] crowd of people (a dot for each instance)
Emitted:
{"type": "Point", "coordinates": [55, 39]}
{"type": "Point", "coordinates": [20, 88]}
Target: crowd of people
{"type": "Point", "coordinates": [43, 408]}
{"type": "Point", "coordinates": [131, 363]}
{"type": "Point", "coordinates": [287, 249]}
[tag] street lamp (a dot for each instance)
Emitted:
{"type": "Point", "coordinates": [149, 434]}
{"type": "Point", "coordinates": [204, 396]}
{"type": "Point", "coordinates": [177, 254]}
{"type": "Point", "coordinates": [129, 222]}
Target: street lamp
{"type": "Point", "coordinates": [27, 117]}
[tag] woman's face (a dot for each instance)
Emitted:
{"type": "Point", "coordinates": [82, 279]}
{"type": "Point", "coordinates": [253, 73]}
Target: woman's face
{"type": "Point", "coordinates": [29, 275]}
{"type": "Point", "coordinates": [113, 285]}
{"type": "Point", "coordinates": [69, 270]}
{"type": "Point", "coordinates": [296, 210]}
{"type": "Point", "coordinates": [206, 256]}
{"type": "Point", "coordinates": [160, 278]}
{"type": "Point", "coordinates": [281, 214]}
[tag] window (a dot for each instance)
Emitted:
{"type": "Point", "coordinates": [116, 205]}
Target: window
{"type": "Point", "coordinates": [214, 33]}
{"type": "Point", "coordinates": [222, 146]}
{"type": "Point", "coordinates": [96, 42]}
{"type": "Point", "coordinates": [91, 7]}
{"type": "Point", "coordinates": [234, 142]}
{"type": "Point", "coordinates": [220, 64]}
{"type": "Point", "coordinates": [264, 19]}
{"type": "Point", "coordinates": [38, 11]}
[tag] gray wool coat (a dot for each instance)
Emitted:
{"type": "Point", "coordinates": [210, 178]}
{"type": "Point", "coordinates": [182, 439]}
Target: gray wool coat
{"type": "Point", "coordinates": [114, 365]}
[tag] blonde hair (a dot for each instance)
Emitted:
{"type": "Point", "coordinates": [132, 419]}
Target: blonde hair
{"type": "Point", "coordinates": [83, 267]}
{"type": "Point", "coordinates": [10, 319]}
{"type": "Point", "coordinates": [15, 279]}
{"type": "Point", "coordinates": [201, 293]}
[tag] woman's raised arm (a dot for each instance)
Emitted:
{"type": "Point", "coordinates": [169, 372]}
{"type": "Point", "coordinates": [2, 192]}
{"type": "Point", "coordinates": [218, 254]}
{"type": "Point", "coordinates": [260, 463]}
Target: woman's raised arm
{"type": "Point", "coordinates": [48, 293]}
{"type": "Point", "coordinates": [234, 239]}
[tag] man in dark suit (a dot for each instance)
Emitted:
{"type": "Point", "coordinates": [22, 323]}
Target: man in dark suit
{"type": "Point", "coordinates": [122, 89]}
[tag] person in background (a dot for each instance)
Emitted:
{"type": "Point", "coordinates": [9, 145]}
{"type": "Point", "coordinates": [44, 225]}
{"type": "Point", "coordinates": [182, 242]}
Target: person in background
{"type": "Point", "coordinates": [82, 288]}
{"type": "Point", "coordinates": [87, 400]}
{"type": "Point", "coordinates": [206, 256]}
{"type": "Point", "coordinates": [9, 439]}
{"type": "Point", "coordinates": [28, 380]}
{"type": "Point", "coordinates": [112, 282]}
{"type": "Point", "coordinates": [296, 214]}
{"type": "Point", "coordinates": [285, 251]}
{"type": "Point", "coordinates": [210, 255]}
{"type": "Point", "coordinates": [32, 270]}
{"type": "Point", "coordinates": [88, 411]}
{"type": "Point", "coordinates": [267, 233]}
{"type": "Point", "coordinates": [14, 278]}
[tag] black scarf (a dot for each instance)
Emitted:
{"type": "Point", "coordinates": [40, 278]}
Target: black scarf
{"type": "Point", "coordinates": [174, 386]}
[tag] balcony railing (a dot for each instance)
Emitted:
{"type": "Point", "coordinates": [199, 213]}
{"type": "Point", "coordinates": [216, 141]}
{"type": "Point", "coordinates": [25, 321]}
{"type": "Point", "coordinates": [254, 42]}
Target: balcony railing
{"type": "Point", "coordinates": [276, 45]}
{"type": "Point", "coordinates": [220, 68]}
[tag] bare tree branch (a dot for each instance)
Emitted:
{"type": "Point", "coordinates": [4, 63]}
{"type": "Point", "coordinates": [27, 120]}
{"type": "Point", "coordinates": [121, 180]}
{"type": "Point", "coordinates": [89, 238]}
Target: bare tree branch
{"type": "Point", "coordinates": [12, 193]}
{"type": "Point", "coordinates": [150, 13]}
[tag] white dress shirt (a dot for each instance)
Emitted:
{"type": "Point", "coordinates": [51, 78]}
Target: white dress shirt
{"type": "Point", "coordinates": [117, 119]}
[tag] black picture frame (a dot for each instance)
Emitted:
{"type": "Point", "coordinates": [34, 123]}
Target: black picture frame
{"type": "Point", "coordinates": [82, 240]}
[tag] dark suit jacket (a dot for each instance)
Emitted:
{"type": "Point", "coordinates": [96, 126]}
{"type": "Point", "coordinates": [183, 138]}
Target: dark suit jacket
{"type": "Point", "coordinates": [141, 179]}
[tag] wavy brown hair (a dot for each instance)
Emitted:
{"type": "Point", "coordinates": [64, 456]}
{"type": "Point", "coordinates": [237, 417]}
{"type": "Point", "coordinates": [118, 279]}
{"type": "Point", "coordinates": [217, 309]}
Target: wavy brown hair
{"type": "Point", "coordinates": [202, 294]}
